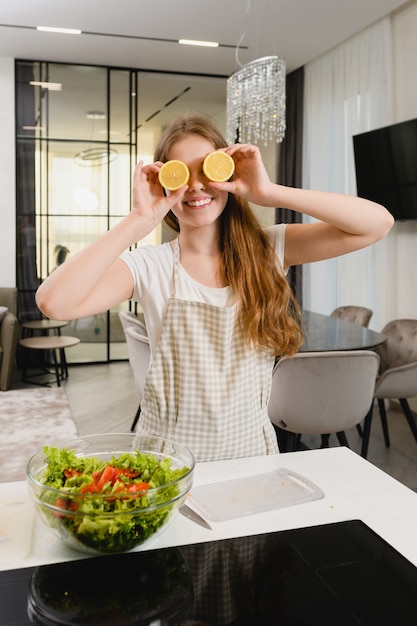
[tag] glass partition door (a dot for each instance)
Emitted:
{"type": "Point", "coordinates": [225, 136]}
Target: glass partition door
{"type": "Point", "coordinates": [80, 131]}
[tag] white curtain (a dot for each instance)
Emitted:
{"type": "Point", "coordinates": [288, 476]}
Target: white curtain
{"type": "Point", "coordinates": [347, 91]}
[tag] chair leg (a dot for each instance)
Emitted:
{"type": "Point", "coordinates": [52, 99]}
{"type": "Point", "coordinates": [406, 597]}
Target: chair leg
{"type": "Point", "coordinates": [135, 420]}
{"type": "Point", "coordinates": [287, 441]}
{"type": "Point", "coordinates": [384, 421]}
{"type": "Point", "coordinates": [409, 416]}
{"type": "Point", "coordinates": [367, 432]}
{"type": "Point", "coordinates": [325, 441]}
{"type": "Point", "coordinates": [298, 444]}
{"type": "Point", "coordinates": [341, 436]}
{"type": "Point", "coordinates": [292, 441]}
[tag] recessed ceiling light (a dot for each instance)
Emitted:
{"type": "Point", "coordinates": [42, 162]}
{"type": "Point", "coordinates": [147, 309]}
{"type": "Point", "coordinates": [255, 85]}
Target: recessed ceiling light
{"type": "Point", "coordinates": [64, 31]}
{"type": "Point", "coordinates": [95, 115]}
{"type": "Point", "coordinates": [46, 85]}
{"type": "Point", "coordinates": [195, 42]}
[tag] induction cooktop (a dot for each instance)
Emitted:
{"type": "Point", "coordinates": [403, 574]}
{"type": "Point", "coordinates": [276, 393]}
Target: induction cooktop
{"type": "Point", "coordinates": [335, 574]}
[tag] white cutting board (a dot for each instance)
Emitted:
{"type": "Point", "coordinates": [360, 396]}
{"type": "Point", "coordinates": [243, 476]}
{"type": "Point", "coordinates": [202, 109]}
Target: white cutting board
{"type": "Point", "coordinates": [16, 526]}
{"type": "Point", "coordinates": [250, 494]}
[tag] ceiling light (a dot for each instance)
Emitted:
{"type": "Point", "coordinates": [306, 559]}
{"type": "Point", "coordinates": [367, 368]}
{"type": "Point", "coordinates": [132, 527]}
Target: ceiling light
{"type": "Point", "coordinates": [95, 115]}
{"type": "Point", "coordinates": [46, 85]}
{"type": "Point", "coordinates": [96, 156]}
{"type": "Point", "coordinates": [195, 42]}
{"type": "Point", "coordinates": [76, 31]}
{"type": "Point", "coordinates": [64, 31]}
{"type": "Point", "coordinates": [255, 107]}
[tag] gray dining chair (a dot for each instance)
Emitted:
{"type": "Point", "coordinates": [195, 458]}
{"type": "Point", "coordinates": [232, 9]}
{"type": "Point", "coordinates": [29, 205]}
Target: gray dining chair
{"type": "Point", "coordinates": [354, 314]}
{"type": "Point", "coordinates": [322, 393]}
{"type": "Point", "coordinates": [138, 351]}
{"type": "Point", "coordinates": [397, 376]}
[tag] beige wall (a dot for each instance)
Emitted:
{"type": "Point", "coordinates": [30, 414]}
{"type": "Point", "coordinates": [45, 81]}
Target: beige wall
{"type": "Point", "coordinates": [7, 175]}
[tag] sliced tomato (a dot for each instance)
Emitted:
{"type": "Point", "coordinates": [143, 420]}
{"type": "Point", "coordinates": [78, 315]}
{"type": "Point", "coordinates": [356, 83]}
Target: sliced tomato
{"type": "Point", "coordinates": [108, 476]}
{"type": "Point", "coordinates": [66, 504]}
{"type": "Point", "coordinates": [126, 472]}
{"type": "Point", "coordinates": [70, 472]}
{"type": "Point", "coordinates": [90, 488]}
{"type": "Point", "coordinates": [137, 487]}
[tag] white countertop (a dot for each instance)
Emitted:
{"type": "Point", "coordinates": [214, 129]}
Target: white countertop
{"type": "Point", "coordinates": [353, 488]}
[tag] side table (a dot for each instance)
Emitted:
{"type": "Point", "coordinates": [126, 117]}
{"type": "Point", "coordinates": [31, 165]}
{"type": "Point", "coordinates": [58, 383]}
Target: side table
{"type": "Point", "coordinates": [50, 339]}
{"type": "Point", "coordinates": [43, 326]}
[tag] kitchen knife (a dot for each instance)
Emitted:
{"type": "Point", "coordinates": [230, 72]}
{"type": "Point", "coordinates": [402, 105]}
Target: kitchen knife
{"type": "Point", "coordinates": [194, 516]}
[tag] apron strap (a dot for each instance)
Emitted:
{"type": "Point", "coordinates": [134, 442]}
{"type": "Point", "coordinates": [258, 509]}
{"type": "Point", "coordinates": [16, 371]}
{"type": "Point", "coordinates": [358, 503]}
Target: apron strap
{"type": "Point", "coordinates": [176, 267]}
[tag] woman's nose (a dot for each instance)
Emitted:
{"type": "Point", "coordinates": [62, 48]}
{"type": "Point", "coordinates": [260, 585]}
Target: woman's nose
{"type": "Point", "coordinates": [197, 181]}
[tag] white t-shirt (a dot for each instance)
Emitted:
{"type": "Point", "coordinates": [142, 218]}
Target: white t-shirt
{"type": "Point", "coordinates": [152, 269]}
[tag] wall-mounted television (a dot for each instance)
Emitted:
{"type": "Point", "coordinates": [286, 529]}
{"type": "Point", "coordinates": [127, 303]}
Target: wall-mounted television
{"type": "Point", "coordinates": [386, 167]}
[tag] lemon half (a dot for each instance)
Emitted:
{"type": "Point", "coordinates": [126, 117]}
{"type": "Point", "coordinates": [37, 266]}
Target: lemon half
{"type": "Point", "coordinates": [173, 175]}
{"type": "Point", "coordinates": [218, 166]}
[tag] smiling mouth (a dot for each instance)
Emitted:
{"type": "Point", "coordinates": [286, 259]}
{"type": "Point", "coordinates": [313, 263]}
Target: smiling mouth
{"type": "Point", "coordinates": [199, 203]}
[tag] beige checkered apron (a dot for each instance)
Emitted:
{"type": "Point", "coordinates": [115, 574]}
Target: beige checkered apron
{"type": "Point", "coordinates": [205, 389]}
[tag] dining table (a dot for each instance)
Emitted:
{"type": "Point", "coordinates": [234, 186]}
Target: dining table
{"type": "Point", "coordinates": [327, 333]}
{"type": "Point", "coordinates": [339, 492]}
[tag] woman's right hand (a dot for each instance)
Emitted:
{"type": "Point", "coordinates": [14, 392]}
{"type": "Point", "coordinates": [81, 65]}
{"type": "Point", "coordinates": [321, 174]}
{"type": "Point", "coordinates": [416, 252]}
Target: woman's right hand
{"type": "Point", "coordinates": [148, 198]}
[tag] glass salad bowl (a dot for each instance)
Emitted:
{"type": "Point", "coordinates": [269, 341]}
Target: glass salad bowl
{"type": "Point", "coordinates": [112, 492]}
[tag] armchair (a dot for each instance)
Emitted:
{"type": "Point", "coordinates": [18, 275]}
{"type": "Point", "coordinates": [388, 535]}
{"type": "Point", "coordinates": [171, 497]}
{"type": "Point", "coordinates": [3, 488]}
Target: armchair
{"type": "Point", "coordinates": [397, 376]}
{"type": "Point", "coordinates": [9, 332]}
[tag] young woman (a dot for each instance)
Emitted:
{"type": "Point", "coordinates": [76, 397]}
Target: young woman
{"type": "Point", "coordinates": [217, 305]}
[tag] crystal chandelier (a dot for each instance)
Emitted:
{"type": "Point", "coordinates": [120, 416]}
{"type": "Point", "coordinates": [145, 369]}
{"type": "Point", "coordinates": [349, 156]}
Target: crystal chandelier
{"type": "Point", "coordinates": [256, 102]}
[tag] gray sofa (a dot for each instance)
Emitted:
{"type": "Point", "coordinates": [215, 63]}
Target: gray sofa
{"type": "Point", "coordinates": [9, 332]}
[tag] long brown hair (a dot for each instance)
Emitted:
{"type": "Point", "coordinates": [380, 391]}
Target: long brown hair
{"type": "Point", "coordinates": [269, 315]}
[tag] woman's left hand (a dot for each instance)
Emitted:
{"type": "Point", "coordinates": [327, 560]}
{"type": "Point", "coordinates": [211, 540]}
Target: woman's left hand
{"type": "Point", "coordinates": [250, 180]}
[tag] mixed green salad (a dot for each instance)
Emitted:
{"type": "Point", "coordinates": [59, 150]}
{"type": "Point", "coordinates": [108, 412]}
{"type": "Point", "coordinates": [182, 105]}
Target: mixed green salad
{"type": "Point", "coordinates": [108, 506]}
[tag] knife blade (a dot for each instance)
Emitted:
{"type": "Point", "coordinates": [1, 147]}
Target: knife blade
{"type": "Point", "coordinates": [194, 516]}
